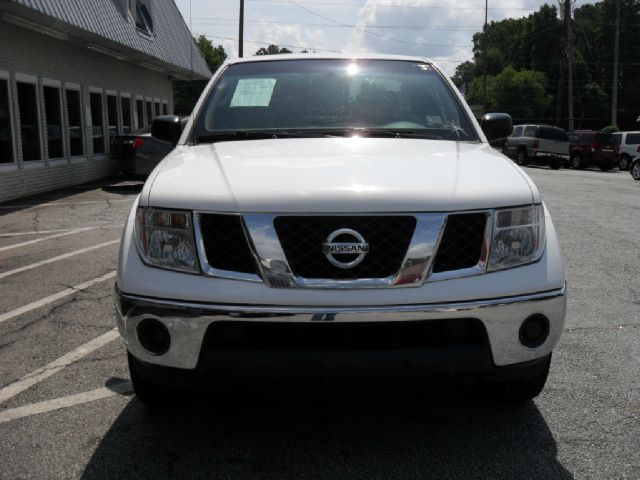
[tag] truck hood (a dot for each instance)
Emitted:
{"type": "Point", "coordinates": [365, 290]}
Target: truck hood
{"type": "Point", "coordinates": [337, 175]}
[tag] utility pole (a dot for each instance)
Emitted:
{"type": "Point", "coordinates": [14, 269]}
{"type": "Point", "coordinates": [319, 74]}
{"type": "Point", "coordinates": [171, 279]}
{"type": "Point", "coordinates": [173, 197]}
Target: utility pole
{"type": "Point", "coordinates": [241, 32]}
{"type": "Point", "coordinates": [616, 53]}
{"type": "Point", "coordinates": [567, 22]}
{"type": "Point", "coordinates": [486, 42]}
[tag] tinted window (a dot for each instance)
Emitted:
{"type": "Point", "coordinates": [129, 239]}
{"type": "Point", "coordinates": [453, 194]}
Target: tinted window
{"type": "Point", "coordinates": [164, 109]}
{"type": "Point", "coordinates": [551, 133]}
{"type": "Point", "coordinates": [112, 115]}
{"type": "Point", "coordinates": [530, 131]}
{"type": "Point", "coordinates": [157, 104]}
{"type": "Point", "coordinates": [6, 136]}
{"type": "Point", "coordinates": [97, 122]}
{"type": "Point", "coordinates": [605, 139]}
{"type": "Point", "coordinates": [125, 106]}
{"type": "Point", "coordinates": [140, 112]}
{"type": "Point", "coordinates": [29, 125]}
{"type": "Point", "coordinates": [74, 116]}
{"type": "Point", "coordinates": [633, 139]}
{"type": "Point", "coordinates": [54, 121]}
{"type": "Point", "coordinates": [517, 132]}
{"type": "Point", "coordinates": [149, 112]}
{"type": "Point", "coordinates": [334, 94]}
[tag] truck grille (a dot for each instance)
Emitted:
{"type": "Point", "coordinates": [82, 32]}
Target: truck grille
{"type": "Point", "coordinates": [461, 244]}
{"type": "Point", "coordinates": [225, 244]}
{"type": "Point", "coordinates": [302, 237]}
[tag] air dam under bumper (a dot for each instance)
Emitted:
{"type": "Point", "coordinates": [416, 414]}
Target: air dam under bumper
{"type": "Point", "coordinates": [188, 322]}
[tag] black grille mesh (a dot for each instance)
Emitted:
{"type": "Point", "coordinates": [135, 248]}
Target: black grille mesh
{"type": "Point", "coordinates": [461, 243]}
{"type": "Point", "coordinates": [225, 244]}
{"type": "Point", "coordinates": [302, 238]}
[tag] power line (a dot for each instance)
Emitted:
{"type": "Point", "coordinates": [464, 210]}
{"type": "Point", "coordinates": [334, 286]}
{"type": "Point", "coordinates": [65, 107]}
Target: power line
{"type": "Point", "coordinates": [269, 43]}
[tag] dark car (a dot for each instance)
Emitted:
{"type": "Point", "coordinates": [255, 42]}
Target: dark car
{"type": "Point", "coordinates": [138, 153]}
{"type": "Point", "coordinates": [591, 148]}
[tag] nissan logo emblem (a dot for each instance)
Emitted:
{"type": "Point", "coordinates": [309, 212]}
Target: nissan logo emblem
{"type": "Point", "coordinates": [357, 247]}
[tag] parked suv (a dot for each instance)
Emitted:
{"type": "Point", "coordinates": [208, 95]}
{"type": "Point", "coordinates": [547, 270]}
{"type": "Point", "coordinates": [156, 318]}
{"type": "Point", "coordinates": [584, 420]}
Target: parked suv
{"type": "Point", "coordinates": [591, 148]}
{"type": "Point", "coordinates": [538, 144]}
{"type": "Point", "coordinates": [331, 218]}
{"type": "Point", "coordinates": [628, 148]}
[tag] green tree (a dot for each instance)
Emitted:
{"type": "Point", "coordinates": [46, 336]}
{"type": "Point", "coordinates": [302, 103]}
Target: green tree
{"type": "Point", "coordinates": [272, 50]}
{"type": "Point", "coordinates": [214, 56]}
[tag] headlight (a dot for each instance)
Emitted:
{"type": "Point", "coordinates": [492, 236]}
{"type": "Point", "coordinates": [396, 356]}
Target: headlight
{"type": "Point", "coordinates": [518, 237]}
{"type": "Point", "coordinates": [165, 239]}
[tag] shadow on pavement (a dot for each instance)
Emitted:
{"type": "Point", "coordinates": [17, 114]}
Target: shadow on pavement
{"type": "Point", "coordinates": [367, 435]}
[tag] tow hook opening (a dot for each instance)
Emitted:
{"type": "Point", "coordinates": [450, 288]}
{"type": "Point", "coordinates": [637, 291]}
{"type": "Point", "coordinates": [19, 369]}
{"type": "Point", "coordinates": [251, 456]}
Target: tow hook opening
{"type": "Point", "coordinates": [153, 336]}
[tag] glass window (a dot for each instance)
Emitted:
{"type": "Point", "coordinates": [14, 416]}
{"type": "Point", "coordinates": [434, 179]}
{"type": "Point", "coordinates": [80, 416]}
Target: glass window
{"type": "Point", "coordinates": [517, 132]}
{"type": "Point", "coordinates": [165, 109]}
{"type": "Point", "coordinates": [142, 15]}
{"type": "Point", "coordinates": [112, 116]}
{"type": "Point", "coordinates": [53, 114]}
{"type": "Point", "coordinates": [633, 139]}
{"type": "Point", "coordinates": [552, 133]}
{"type": "Point", "coordinates": [140, 111]}
{"type": "Point", "coordinates": [149, 112]}
{"type": "Point", "coordinates": [29, 125]}
{"type": "Point", "coordinates": [157, 109]}
{"type": "Point", "coordinates": [97, 123]}
{"type": "Point", "coordinates": [530, 131]}
{"type": "Point", "coordinates": [74, 116]}
{"type": "Point", "coordinates": [605, 139]}
{"type": "Point", "coordinates": [335, 94]}
{"type": "Point", "coordinates": [125, 106]}
{"type": "Point", "coordinates": [6, 135]}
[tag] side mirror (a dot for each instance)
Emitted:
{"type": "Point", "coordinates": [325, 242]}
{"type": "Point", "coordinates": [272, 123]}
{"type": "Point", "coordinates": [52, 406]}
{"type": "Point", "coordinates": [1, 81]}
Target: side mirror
{"type": "Point", "coordinates": [167, 128]}
{"type": "Point", "coordinates": [496, 126]}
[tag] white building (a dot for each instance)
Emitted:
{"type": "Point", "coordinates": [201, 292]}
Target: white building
{"type": "Point", "coordinates": [75, 72]}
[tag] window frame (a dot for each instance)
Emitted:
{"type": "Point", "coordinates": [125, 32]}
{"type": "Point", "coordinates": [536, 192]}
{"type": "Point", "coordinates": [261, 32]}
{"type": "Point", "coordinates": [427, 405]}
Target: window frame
{"type": "Point", "coordinates": [148, 101]}
{"type": "Point", "coordinates": [31, 80]}
{"type": "Point", "coordinates": [114, 94]}
{"type": "Point", "coordinates": [105, 135]}
{"type": "Point", "coordinates": [140, 123]}
{"type": "Point", "coordinates": [76, 87]}
{"type": "Point", "coordinates": [49, 82]}
{"type": "Point", "coordinates": [122, 96]}
{"type": "Point", "coordinates": [13, 164]}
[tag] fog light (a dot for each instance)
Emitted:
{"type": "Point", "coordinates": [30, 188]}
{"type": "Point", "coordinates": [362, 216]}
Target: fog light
{"type": "Point", "coordinates": [534, 331]}
{"type": "Point", "coordinates": [153, 336]}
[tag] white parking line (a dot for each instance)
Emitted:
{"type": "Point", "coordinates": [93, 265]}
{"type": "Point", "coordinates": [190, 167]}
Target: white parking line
{"type": "Point", "coordinates": [67, 359]}
{"type": "Point", "coordinates": [36, 240]}
{"type": "Point", "coordinates": [42, 232]}
{"type": "Point", "coordinates": [64, 402]}
{"type": "Point", "coordinates": [55, 259]}
{"type": "Point", "coordinates": [56, 296]}
{"type": "Point", "coordinates": [55, 204]}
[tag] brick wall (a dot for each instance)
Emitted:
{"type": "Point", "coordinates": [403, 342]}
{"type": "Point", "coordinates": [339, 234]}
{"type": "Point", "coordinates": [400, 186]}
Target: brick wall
{"type": "Point", "coordinates": [27, 53]}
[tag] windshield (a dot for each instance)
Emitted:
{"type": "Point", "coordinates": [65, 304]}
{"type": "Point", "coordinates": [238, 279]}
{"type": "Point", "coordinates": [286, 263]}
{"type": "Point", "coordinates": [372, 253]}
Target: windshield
{"type": "Point", "coordinates": [379, 97]}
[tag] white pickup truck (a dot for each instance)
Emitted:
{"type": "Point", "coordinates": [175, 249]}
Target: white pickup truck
{"type": "Point", "coordinates": [332, 216]}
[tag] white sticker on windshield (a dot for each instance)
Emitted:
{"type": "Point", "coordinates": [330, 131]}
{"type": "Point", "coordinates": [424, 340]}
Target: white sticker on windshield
{"type": "Point", "coordinates": [253, 92]}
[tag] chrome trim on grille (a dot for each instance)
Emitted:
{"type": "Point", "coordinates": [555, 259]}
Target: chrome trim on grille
{"type": "Point", "coordinates": [275, 271]}
{"type": "Point", "coordinates": [208, 269]}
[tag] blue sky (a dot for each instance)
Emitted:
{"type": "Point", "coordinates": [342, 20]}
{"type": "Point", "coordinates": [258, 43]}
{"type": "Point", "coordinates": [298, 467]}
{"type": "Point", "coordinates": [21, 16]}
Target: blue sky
{"type": "Point", "coordinates": [438, 29]}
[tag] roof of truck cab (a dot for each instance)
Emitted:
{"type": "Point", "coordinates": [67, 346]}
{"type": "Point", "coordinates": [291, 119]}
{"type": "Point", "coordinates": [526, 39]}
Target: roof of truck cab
{"type": "Point", "coordinates": [329, 56]}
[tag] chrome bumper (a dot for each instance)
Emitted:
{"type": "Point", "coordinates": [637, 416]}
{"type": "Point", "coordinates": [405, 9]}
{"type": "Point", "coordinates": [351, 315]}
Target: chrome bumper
{"type": "Point", "coordinates": [187, 322]}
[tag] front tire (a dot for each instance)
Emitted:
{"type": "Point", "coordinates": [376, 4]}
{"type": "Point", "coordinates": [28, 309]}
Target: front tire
{"type": "Point", "coordinates": [576, 162]}
{"type": "Point", "coordinates": [624, 163]}
{"type": "Point", "coordinates": [521, 389]}
{"type": "Point", "coordinates": [635, 170]}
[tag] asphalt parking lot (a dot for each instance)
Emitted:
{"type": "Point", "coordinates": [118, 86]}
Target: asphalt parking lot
{"type": "Point", "coordinates": [66, 408]}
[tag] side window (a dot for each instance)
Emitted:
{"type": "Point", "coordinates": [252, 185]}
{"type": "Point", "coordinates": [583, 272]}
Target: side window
{"type": "Point", "coordinates": [125, 106]}
{"type": "Point", "coordinates": [53, 115]}
{"type": "Point", "coordinates": [517, 132]}
{"type": "Point", "coordinates": [74, 117]}
{"type": "Point", "coordinates": [149, 108]}
{"type": "Point", "coordinates": [633, 139]}
{"type": "Point", "coordinates": [6, 135]}
{"type": "Point", "coordinates": [165, 109]}
{"type": "Point", "coordinates": [97, 123]}
{"type": "Point", "coordinates": [141, 12]}
{"type": "Point", "coordinates": [112, 115]}
{"type": "Point", "coordinates": [530, 131]}
{"type": "Point", "coordinates": [157, 105]}
{"type": "Point", "coordinates": [140, 114]}
{"type": "Point", "coordinates": [29, 125]}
